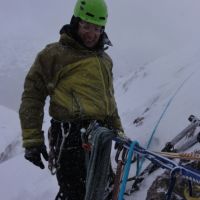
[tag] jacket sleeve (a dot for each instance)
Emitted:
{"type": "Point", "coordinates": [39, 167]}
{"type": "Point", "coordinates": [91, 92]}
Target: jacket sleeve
{"type": "Point", "coordinates": [31, 111]}
{"type": "Point", "coordinates": [116, 121]}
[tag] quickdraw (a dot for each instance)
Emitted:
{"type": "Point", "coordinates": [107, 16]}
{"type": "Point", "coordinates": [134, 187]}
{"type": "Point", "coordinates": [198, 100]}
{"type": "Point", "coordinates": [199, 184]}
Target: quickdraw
{"type": "Point", "coordinates": [120, 159]}
{"type": "Point", "coordinates": [120, 166]}
{"type": "Point", "coordinates": [54, 164]}
{"type": "Point", "coordinates": [86, 135]}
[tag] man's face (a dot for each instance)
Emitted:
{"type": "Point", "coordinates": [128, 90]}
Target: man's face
{"type": "Point", "coordinates": [89, 33]}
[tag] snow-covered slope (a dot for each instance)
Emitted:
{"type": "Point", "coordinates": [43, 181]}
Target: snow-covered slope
{"type": "Point", "coordinates": [20, 180]}
{"type": "Point", "coordinates": [165, 89]}
{"type": "Point", "coordinates": [156, 55]}
{"type": "Point", "coordinates": [144, 93]}
{"type": "Point", "coordinates": [10, 141]}
{"type": "Point", "coordinates": [147, 91]}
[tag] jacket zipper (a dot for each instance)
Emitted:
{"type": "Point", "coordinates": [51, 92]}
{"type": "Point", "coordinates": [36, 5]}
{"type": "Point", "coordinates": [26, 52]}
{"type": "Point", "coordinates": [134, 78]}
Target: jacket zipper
{"type": "Point", "coordinates": [105, 94]}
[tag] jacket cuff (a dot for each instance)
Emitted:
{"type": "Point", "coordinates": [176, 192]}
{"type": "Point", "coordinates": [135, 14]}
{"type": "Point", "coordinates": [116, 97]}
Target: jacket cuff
{"type": "Point", "coordinates": [32, 138]}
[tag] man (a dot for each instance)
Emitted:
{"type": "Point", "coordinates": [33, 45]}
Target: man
{"type": "Point", "coordinates": [76, 74]}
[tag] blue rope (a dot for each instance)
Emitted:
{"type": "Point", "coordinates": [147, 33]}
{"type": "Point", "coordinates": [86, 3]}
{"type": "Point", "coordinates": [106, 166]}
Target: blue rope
{"type": "Point", "coordinates": [163, 113]}
{"type": "Point", "coordinates": [127, 169]}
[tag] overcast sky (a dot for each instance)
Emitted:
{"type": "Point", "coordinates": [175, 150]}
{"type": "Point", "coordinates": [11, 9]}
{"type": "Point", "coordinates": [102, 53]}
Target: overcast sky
{"type": "Point", "coordinates": [145, 27]}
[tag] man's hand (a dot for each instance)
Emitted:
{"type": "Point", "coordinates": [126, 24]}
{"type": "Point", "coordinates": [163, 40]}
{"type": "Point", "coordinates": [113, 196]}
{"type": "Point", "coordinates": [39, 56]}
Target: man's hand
{"type": "Point", "coordinates": [119, 144]}
{"type": "Point", "coordinates": [121, 133]}
{"type": "Point", "coordinates": [33, 155]}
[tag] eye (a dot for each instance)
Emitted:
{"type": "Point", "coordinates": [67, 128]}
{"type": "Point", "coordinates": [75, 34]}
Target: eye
{"type": "Point", "coordinates": [98, 29]}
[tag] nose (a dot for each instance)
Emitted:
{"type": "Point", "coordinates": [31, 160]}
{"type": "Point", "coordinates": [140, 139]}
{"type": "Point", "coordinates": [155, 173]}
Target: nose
{"type": "Point", "coordinates": [90, 35]}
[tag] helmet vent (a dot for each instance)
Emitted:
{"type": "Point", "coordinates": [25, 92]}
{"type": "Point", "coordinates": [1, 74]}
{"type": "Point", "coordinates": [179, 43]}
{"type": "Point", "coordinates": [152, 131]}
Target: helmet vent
{"type": "Point", "coordinates": [102, 18]}
{"type": "Point", "coordinates": [81, 7]}
{"type": "Point", "coordinates": [83, 2]}
{"type": "Point", "coordinates": [89, 14]}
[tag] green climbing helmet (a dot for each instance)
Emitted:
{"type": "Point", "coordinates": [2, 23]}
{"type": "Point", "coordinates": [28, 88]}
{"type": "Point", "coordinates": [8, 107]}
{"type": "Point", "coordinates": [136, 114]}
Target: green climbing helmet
{"type": "Point", "coordinates": [92, 11]}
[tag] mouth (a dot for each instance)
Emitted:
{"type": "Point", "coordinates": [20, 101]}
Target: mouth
{"type": "Point", "coordinates": [90, 43]}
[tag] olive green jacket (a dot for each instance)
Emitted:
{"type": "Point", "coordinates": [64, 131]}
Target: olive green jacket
{"type": "Point", "coordinates": [80, 85]}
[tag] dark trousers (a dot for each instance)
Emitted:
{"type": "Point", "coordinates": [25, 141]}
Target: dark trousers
{"type": "Point", "coordinates": [71, 175]}
{"type": "Point", "coordinates": [72, 172]}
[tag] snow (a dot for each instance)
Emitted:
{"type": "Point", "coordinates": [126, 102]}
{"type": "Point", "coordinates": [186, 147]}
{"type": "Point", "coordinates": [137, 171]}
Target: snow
{"type": "Point", "coordinates": [171, 77]}
{"type": "Point", "coordinates": [156, 58]}
{"type": "Point", "coordinates": [23, 181]}
{"type": "Point", "coordinates": [9, 128]}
